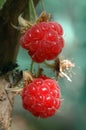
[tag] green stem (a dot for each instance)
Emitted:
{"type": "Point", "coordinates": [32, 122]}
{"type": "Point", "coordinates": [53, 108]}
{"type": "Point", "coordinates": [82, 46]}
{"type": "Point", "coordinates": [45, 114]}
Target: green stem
{"type": "Point", "coordinates": [33, 14]}
{"type": "Point", "coordinates": [31, 66]}
{"type": "Point", "coordinates": [38, 71]}
{"type": "Point", "coordinates": [49, 65]}
{"type": "Point", "coordinates": [42, 4]}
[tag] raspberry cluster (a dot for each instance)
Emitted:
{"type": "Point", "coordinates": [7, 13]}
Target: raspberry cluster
{"type": "Point", "coordinates": [43, 41]}
{"type": "Point", "coordinates": [41, 97]}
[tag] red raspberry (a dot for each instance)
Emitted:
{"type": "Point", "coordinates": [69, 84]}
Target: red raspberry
{"type": "Point", "coordinates": [41, 97]}
{"type": "Point", "coordinates": [43, 41]}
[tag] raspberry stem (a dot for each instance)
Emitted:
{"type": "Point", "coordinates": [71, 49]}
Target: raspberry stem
{"type": "Point", "coordinates": [52, 66]}
{"type": "Point", "coordinates": [43, 5]}
{"type": "Point", "coordinates": [33, 14]}
{"type": "Point", "coordinates": [39, 72]}
{"type": "Point", "coordinates": [31, 66]}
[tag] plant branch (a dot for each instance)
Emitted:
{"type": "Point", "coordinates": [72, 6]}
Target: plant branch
{"type": "Point", "coordinates": [8, 35]}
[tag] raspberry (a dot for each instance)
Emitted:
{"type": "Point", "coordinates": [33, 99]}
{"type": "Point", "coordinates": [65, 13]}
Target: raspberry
{"type": "Point", "coordinates": [43, 41]}
{"type": "Point", "coordinates": [41, 97]}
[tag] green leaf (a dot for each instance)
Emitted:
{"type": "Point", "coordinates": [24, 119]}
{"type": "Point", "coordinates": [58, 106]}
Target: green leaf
{"type": "Point", "coordinates": [2, 3]}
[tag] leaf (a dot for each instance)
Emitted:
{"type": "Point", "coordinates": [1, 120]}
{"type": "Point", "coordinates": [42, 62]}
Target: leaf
{"type": "Point", "coordinates": [2, 3]}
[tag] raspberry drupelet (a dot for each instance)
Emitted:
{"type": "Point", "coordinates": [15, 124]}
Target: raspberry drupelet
{"type": "Point", "coordinates": [41, 97]}
{"type": "Point", "coordinates": [43, 41]}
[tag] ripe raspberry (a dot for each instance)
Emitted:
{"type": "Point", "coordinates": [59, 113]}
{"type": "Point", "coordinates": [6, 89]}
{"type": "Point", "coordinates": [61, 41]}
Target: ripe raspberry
{"type": "Point", "coordinates": [43, 41]}
{"type": "Point", "coordinates": [41, 97]}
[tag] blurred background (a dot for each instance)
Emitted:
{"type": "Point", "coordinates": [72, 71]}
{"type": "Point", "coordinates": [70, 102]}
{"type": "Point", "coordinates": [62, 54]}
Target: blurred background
{"type": "Point", "coordinates": [72, 113]}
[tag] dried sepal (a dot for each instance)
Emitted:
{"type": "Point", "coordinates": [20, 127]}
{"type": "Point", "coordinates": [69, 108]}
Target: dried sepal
{"type": "Point", "coordinates": [27, 76]}
{"type": "Point", "coordinates": [43, 17]}
{"type": "Point", "coordinates": [17, 89]}
{"type": "Point", "coordinates": [60, 67]}
{"type": "Point", "coordinates": [23, 22]}
{"type": "Point", "coordinates": [65, 65]}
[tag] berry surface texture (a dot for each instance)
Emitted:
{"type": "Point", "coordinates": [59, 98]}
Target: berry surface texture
{"type": "Point", "coordinates": [41, 97]}
{"type": "Point", "coordinates": [43, 41]}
